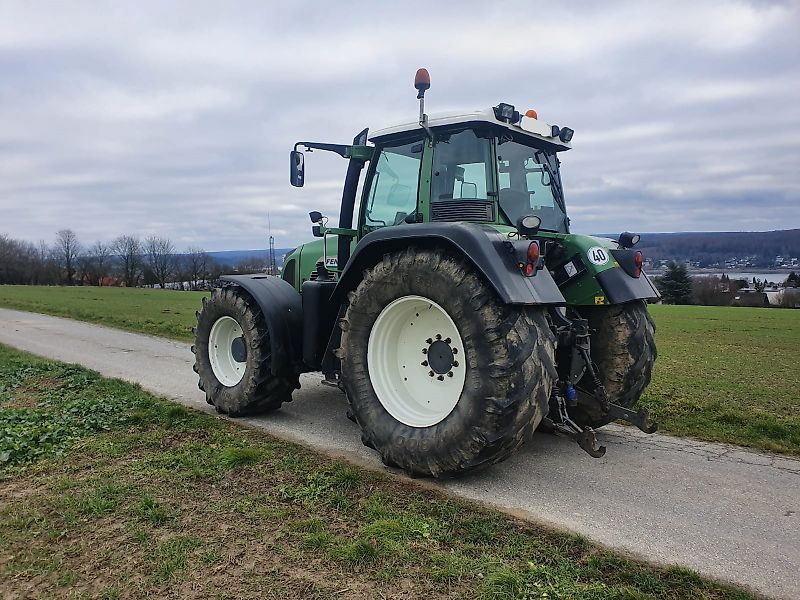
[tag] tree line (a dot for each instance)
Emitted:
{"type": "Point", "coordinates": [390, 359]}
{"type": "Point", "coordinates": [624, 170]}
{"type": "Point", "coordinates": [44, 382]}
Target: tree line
{"type": "Point", "coordinates": [678, 287]}
{"type": "Point", "coordinates": [128, 260]}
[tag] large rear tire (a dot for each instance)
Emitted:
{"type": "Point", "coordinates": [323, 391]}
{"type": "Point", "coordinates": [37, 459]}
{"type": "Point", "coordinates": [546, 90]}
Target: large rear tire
{"type": "Point", "coordinates": [624, 350]}
{"type": "Point", "coordinates": [232, 357]}
{"type": "Point", "coordinates": [441, 375]}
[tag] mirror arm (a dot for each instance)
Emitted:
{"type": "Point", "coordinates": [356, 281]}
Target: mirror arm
{"type": "Point", "coordinates": [340, 149]}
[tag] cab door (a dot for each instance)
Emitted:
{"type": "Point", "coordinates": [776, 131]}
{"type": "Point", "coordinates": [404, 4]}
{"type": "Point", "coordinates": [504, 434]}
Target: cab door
{"type": "Point", "coordinates": [391, 193]}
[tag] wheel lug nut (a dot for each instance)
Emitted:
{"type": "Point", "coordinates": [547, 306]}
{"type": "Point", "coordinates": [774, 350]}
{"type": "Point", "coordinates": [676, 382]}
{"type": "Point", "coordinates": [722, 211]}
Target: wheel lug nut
{"type": "Point", "coordinates": [455, 363]}
{"type": "Point", "coordinates": [450, 374]}
{"type": "Point", "coordinates": [455, 350]}
{"type": "Point", "coordinates": [440, 378]}
{"type": "Point", "coordinates": [430, 373]}
{"type": "Point", "coordinates": [424, 363]}
{"type": "Point", "coordinates": [429, 341]}
{"type": "Point", "coordinates": [447, 340]}
{"type": "Point", "coordinates": [438, 336]}
{"type": "Point", "coordinates": [424, 350]}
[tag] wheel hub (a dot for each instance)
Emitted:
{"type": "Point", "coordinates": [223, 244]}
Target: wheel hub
{"type": "Point", "coordinates": [440, 356]}
{"type": "Point", "coordinates": [239, 350]}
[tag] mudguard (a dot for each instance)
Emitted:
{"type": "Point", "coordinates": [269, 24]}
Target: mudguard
{"type": "Point", "coordinates": [283, 312]}
{"type": "Point", "coordinates": [620, 287]}
{"type": "Point", "coordinates": [491, 252]}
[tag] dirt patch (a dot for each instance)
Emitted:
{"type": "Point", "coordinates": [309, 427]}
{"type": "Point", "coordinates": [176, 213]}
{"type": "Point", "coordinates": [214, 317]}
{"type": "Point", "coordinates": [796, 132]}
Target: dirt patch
{"type": "Point", "coordinates": [28, 393]}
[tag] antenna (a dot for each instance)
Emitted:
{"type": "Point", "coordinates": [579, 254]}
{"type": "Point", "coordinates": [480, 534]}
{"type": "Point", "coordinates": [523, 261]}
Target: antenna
{"type": "Point", "coordinates": [272, 267]}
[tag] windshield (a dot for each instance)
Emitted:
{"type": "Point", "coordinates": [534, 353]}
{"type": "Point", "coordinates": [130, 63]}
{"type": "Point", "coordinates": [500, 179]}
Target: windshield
{"type": "Point", "coordinates": [530, 184]}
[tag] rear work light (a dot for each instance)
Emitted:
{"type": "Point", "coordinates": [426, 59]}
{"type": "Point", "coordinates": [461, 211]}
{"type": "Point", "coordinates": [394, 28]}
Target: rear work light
{"type": "Point", "coordinates": [638, 259]}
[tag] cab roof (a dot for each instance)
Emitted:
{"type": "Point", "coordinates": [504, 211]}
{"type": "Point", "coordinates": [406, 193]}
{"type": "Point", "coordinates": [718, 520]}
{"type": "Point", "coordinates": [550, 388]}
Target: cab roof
{"type": "Point", "coordinates": [533, 128]}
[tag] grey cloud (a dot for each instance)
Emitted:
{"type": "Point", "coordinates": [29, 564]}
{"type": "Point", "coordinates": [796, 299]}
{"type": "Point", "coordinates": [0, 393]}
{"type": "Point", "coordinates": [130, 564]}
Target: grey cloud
{"type": "Point", "coordinates": [177, 120]}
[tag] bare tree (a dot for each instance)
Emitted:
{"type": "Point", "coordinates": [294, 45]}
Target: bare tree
{"type": "Point", "coordinates": [11, 270]}
{"type": "Point", "coordinates": [160, 258]}
{"type": "Point", "coordinates": [252, 265]}
{"type": "Point", "coordinates": [129, 250]}
{"type": "Point", "coordinates": [96, 263]}
{"type": "Point", "coordinates": [197, 263]}
{"type": "Point", "coordinates": [66, 251]}
{"type": "Point", "coordinates": [24, 263]}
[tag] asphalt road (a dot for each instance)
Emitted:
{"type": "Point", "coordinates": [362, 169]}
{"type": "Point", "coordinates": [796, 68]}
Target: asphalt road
{"type": "Point", "coordinates": [725, 512]}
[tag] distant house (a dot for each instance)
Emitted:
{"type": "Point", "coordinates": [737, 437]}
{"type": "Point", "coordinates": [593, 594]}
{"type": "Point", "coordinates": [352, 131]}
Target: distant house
{"type": "Point", "coordinates": [749, 297]}
{"type": "Point", "coordinates": [789, 298]}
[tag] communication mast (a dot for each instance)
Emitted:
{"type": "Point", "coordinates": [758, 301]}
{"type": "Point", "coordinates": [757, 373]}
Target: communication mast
{"type": "Point", "coordinates": [273, 265]}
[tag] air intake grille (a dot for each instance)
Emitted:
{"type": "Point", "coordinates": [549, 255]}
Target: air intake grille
{"type": "Point", "coordinates": [462, 210]}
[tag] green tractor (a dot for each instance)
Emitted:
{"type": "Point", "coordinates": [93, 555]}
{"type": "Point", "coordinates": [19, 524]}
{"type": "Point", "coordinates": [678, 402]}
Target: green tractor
{"type": "Point", "coordinates": [451, 305]}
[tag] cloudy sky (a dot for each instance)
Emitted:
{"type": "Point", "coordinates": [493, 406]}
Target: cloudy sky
{"type": "Point", "coordinates": [176, 118]}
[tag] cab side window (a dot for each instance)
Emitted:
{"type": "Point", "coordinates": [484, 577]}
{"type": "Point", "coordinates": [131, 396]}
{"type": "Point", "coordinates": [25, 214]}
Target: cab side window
{"type": "Point", "coordinates": [394, 186]}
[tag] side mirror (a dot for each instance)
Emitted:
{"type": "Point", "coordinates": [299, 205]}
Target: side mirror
{"type": "Point", "coordinates": [296, 168]}
{"type": "Point", "coordinates": [315, 216]}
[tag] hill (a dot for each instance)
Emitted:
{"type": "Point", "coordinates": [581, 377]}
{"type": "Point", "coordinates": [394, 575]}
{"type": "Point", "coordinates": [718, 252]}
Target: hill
{"type": "Point", "coordinates": [233, 257]}
{"type": "Point", "coordinates": [716, 249]}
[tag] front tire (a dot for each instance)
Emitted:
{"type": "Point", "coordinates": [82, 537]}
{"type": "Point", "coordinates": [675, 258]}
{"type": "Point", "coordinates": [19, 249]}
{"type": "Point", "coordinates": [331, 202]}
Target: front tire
{"type": "Point", "coordinates": [232, 356]}
{"type": "Point", "coordinates": [441, 375]}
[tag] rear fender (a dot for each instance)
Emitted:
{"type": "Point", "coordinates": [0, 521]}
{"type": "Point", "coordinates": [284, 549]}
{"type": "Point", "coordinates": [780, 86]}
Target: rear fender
{"type": "Point", "coordinates": [492, 254]}
{"type": "Point", "coordinates": [283, 312]}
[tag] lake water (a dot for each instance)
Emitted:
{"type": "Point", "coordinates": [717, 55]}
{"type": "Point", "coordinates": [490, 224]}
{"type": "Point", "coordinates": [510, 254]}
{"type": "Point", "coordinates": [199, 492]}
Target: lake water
{"type": "Point", "coordinates": [774, 277]}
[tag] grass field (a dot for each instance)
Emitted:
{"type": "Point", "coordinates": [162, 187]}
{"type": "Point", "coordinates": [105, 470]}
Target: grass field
{"type": "Point", "coordinates": [108, 492]}
{"type": "Point", "coordinates": [166, 313]}
{"type": "Point", "coordinates": [728, 374]}
{"type": "Point", "coordinates": [723, 374]}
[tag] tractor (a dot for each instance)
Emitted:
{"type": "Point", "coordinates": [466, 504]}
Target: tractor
{"type": "Point", "coordinates": [452, 305]}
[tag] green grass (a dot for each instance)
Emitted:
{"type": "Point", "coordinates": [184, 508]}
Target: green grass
{"type": "Point", "coordinates": [728, 374]}
{"type": "Point", "coordinates": [723, 374]}
{"type": "Point", "coordinates": [154, 500]}
{"type": "Point", "coordinates": [167, 313]}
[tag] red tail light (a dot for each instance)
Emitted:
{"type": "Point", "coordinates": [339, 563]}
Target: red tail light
{"type": "Point", "coordinates": [532, 256]}
{"type": "Point", "coordinates": [533, 252]}
{"type": "Point", "coordinates": [638, 260]}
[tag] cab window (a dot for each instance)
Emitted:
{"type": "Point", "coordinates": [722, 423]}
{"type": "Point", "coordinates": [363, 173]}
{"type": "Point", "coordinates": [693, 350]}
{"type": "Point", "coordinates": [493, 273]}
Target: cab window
{"type": "Point", "coordinates": [462, 167]}
{"type": "Point", "coordinates": [394, 186]}
{"type": "Point", "coordinates": [529, 184]}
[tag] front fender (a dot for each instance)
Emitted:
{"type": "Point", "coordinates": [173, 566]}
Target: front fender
{"type": "Point", "coordinates": [283, 312]}
{"type": "Point", "coordinates": [489, 252]}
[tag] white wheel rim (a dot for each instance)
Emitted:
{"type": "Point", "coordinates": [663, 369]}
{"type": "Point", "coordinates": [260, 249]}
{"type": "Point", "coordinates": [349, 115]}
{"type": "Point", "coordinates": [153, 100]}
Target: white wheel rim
{"type": "Point", "coordinates": [400, 342]}
{"type": "Point", "coordinates": [227, 369]}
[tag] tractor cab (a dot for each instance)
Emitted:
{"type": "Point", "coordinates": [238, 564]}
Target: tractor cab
{"type": "Point", "coordinates": [474, 167]}
{"type": "Point", "coordinates": [494, 167]}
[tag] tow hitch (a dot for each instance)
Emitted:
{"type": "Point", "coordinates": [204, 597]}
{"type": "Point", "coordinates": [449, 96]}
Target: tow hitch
{"type": "Point", "coordinates": [566, 427]}
{"type": "Point", "coordinates": [580, 370]}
